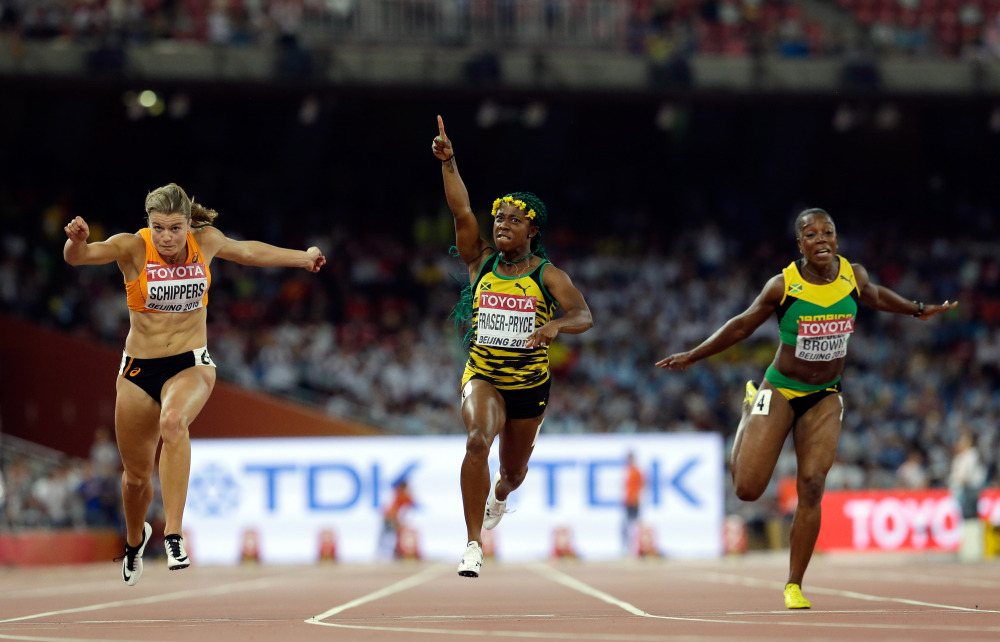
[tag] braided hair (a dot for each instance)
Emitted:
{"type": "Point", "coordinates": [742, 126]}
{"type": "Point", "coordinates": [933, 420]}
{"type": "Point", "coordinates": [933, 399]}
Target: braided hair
{"type": "Point", "coordinates": [537, 213]}
{"type": "Point", "coordinates": [534, 209]}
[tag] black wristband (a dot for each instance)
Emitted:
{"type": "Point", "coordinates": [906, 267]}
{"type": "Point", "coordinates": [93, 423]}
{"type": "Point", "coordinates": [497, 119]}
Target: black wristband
{"type": "Point", "coordinates": [448, 159]}
{"type": "Point", "coordinates": [920, 309]}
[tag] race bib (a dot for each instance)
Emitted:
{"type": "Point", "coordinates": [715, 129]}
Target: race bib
{"type": "Point", "coordinates": [175, 288]}
{"type": "Point", "coordinates": [505, 320]}
{"type": "Point", "coordinates": [823, 340]}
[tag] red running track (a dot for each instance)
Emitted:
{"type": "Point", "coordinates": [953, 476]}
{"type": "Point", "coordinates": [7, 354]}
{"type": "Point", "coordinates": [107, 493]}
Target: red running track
{"type": "Point", "coordinates": [857, 597]}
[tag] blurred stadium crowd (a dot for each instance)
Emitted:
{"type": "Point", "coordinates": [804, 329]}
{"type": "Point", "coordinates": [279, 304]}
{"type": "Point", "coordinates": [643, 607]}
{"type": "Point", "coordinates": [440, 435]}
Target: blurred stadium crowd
{"type": "Point", "coordinates": [665, 219]}
{"type": "Point", "coordinates": [43, 488]}
{"type": "Point", "coordinates": [372, 340]}
{"type": "Point", "coordinates": [660, 29]}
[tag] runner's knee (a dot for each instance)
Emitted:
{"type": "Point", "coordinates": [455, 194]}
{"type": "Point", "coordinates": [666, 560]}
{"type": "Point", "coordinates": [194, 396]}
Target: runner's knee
{"type": "Point", "coordinates": [748, 490]}
{"type": "Point", "coordinates": [134, 480]}
{"type": "Point", "coordinates": [173, 427]}
{"type": "Point", "coordinates": [810, 489]}
{"type": "Point", "coordinates": [478, 444]}
{"type": "Point", "coordinates": [514, 477]}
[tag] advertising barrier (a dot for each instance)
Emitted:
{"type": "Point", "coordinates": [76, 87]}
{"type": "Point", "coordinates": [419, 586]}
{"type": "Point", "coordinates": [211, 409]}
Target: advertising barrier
{"type": "Point", "coordinates": [897, 520]}
{"type": "Point", "coordinates": [286, 495]}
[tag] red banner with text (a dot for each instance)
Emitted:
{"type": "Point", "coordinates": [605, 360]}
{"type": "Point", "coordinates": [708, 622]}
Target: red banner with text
{"type": "Point", "coordinates": [897, 520]}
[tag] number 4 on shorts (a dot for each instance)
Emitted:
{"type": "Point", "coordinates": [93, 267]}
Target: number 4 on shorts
{"type": "Point", "coordinates": [762, 404]}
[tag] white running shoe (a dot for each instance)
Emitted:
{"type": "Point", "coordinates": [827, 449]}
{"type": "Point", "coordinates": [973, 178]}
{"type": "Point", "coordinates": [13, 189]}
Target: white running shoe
{"type": "Point", "coordinates": [132, 559]}
{"type": "Point", "coordinates": [472, 561]}
{"type": "Point", "coordinates": [494, 509]}
{"type": "Point", "coordinates": [177, 557]}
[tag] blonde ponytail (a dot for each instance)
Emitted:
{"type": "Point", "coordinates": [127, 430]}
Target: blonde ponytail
{"type": "Point", "coordinates": [202, 216]}
{"type": "Point", "coordinates": [172, 199]}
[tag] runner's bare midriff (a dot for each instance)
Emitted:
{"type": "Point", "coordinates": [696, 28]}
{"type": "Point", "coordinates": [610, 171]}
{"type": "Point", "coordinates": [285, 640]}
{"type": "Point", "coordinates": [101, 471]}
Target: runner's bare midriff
{"type": "Point", "coordinates": [164, 334]}
{"type": "Point", "coordinates": [808, 372]}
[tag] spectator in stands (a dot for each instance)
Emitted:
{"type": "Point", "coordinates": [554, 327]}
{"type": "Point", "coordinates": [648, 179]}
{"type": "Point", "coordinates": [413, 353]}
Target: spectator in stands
{"type": "Point", "coordinates": [54, 493]}
{"type": "Point", "coordinates": [505, 387]}
{"type": "Point", "coordinates": [912, 474]}
{"type": "Point", "coordinates": [99, 498]}
{"type": "Point", "coordinates": [816, 302]}
{"type": "Point", "coordinates": [166, 373]}
{"type": "Point", "coordinates": [16, 506]}
{"type": "Point", "coordinates": [731, 28]}
{"type": "Point", "coordinates": [104, 453]}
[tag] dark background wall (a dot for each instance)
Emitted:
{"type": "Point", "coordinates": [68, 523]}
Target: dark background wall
{"type": "Point", "coordinates": [638, 166]}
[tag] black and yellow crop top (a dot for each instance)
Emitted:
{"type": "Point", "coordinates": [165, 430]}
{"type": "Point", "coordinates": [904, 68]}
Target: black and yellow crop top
{"type": "Point", "coordinates": [505, 311]}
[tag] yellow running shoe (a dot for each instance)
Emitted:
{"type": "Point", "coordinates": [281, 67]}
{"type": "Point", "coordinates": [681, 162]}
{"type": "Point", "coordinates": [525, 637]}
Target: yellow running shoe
{"type": "Point", "coordinates": [751, 393]}
{"type": "Point", "coordinates": [794, 599]}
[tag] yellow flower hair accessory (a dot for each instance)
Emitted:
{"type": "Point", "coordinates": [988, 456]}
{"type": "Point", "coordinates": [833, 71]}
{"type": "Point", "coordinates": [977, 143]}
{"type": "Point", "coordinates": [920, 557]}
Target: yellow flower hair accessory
{"type": "Point", "coordinates": [519, 204]}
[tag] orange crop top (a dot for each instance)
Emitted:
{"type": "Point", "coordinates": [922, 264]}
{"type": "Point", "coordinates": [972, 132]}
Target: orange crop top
{"type": "Point", "coordinates": [163, 287]}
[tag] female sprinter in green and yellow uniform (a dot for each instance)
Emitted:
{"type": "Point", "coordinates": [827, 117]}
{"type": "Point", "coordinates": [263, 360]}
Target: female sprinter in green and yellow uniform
{"type": "Point", "coordinates": [816, 302]}
{"type": "Point", "coordinates": [505, 387]}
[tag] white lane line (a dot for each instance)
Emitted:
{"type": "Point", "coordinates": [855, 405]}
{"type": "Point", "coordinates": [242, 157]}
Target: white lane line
{"type": "Point", "coordinates": [919, 578]}
{"type": "Point", "coordinates": [197, 620]}
{"type": "Point", "coordinates": [33, 638]}
{"type": "Point", "coordinates": [431, 573]}
{"type": "Point", "coordinates": [248, 585]}
{"type": "Point", "coordinates": [473, 617]}
{"type": "Point", "coordinates": [45, 591]}
{"type": "Point", "coordinates": [575, 584]}
{"type": "Point", "coordinates": [406, 583]}
{"type": "Point", "coordinates": [799, 613]}
{"type": "Point", "coordinates": [738, 580]}
{"type": "Point", "coordinates": [530, 635]}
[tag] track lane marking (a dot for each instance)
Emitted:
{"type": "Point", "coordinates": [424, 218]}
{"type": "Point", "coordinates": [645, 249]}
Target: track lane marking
{"type": "Point", "coordinates": [425, 575]}
{"type": "Point", "coordinates": [34, 638]}
{"type": "Point", "coordinates": [573, 583]}
{"type": "Point", "coordinates": [222, 589]}
{"type": "Point", "coordinates": [738, 580]}
{"type": "Point", "coordinates": [47, 591]}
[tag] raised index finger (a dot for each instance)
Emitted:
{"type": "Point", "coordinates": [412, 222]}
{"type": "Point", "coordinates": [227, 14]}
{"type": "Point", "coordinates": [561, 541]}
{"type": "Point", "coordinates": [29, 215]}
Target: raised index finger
{"type": "Point", "coordinates": [441, 128]}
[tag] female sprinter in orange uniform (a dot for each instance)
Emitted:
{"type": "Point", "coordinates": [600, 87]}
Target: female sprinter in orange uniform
{"type": "Point", "coordinates": [166, 375]}
{"type": "Point", "coordinates": [514, 294]}
{"type": "Point", "coordinates": [816, 302]}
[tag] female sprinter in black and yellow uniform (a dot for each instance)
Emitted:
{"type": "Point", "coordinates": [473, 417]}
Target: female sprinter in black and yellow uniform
{"type": "Point", "coordinates": [166, 374]}
{"type": "Point", "coordinates": [505, 387]}
{"type": "Point", "coordinates": [815, 300]}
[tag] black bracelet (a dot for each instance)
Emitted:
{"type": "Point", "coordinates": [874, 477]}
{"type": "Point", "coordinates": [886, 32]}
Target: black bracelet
{"type": "Point", "coordinates": [448, 159]}
{"type": "Point", "coordinates": [920, 309]}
